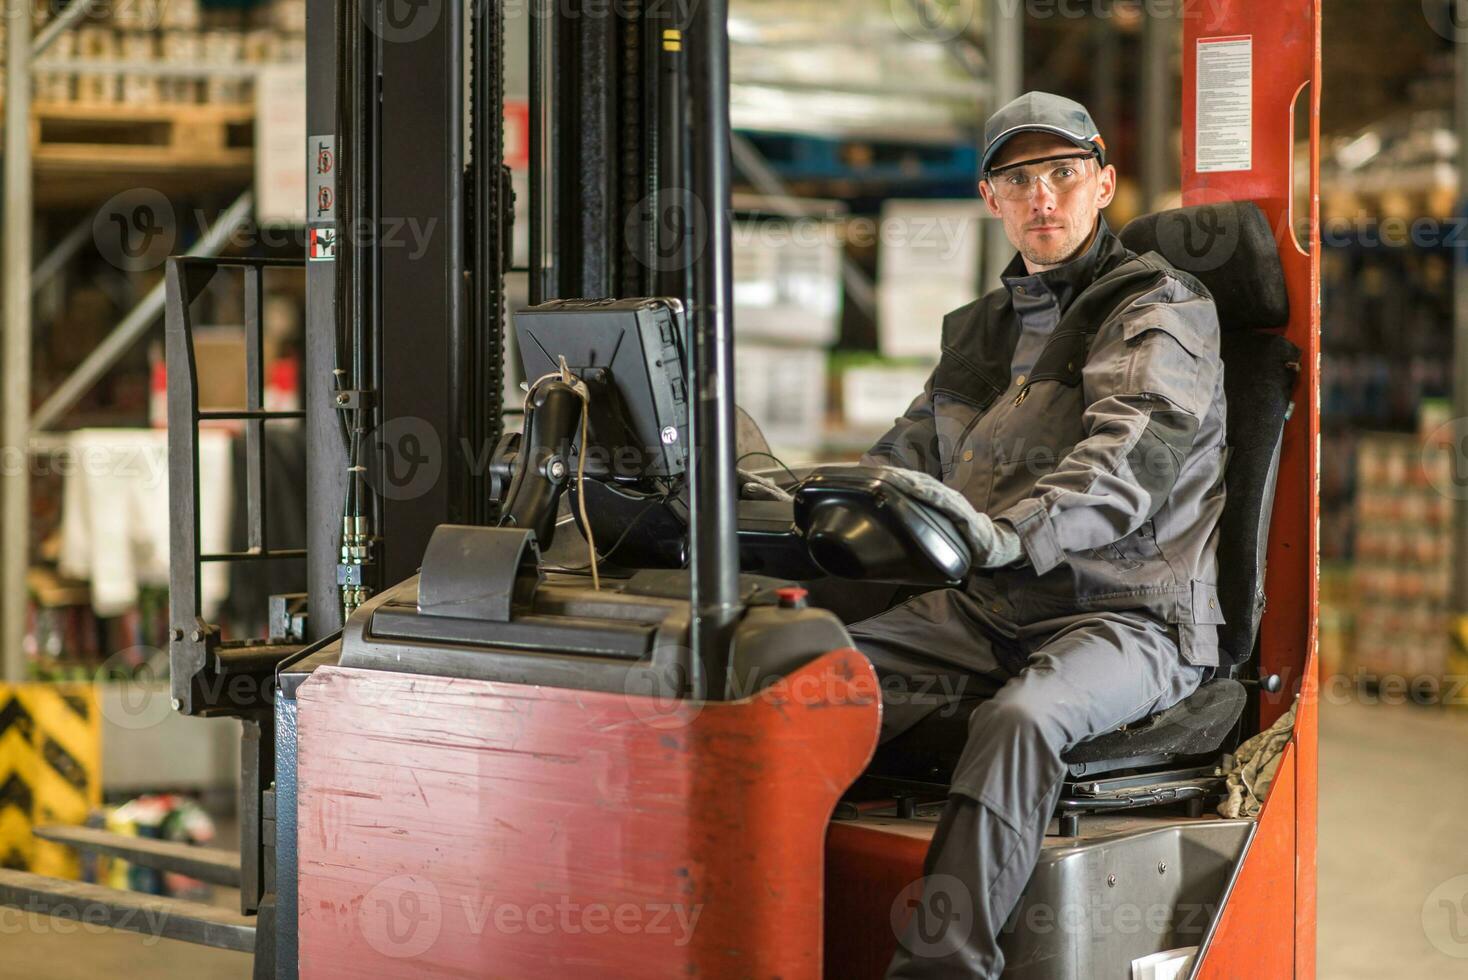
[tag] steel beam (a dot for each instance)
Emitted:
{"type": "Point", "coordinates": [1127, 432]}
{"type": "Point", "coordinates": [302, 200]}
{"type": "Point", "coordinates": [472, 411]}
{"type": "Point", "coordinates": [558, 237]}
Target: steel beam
{"type": "Point", "coordinates": [15, 353]}
{"type": "Point", "coordinates": [1460, 313]}
{"type": "Point", "coordinates": [217, 867]}
{"type": "Point", "coordinates": [1158, 170]}
{"type": "Point", "coordinates": [113, 908]}
{"type": "Point", "coordinates": [133, 326]}
{"type": "Point", "coordinates": [1006, 57]}
{"type": "Point", "coordinates": [152, 69]}
{"type": "Point", "coordinates": [713, 519]}
{"type": "Point", "coordinates": [326, 449]}
{"type": "Point", "coordinates": [61, 23]}
{"type": "Point", "coordinates": [545, 272]}
{"type": "Point", "coordinates": [64, 252]}
{"type": "Point", "coordinates": [1105, 96]}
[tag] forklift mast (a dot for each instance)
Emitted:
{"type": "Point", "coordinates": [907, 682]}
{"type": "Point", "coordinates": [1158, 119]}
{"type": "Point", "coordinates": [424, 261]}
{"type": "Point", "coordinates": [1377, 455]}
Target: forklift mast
{"type": "Point", "coordinates": [629, 196]}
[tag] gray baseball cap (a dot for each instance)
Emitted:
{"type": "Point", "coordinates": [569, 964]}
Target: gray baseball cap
{"type": "Point", "coordinates": [1041, 112]}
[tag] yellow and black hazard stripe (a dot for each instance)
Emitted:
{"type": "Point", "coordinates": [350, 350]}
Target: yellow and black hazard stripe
{"type": "Point", "coordinates": [50, 770]}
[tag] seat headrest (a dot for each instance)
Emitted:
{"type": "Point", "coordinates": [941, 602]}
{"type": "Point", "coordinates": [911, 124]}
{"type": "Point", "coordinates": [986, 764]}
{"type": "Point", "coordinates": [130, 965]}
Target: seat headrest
{"type": "Point", "coordinates": [1230, 247]}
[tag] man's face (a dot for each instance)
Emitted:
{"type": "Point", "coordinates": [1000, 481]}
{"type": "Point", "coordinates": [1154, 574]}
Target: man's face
{"type": "Point", "coordinates": [1049, 229]}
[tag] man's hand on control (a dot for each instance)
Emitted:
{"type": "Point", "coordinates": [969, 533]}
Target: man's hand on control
{"type": "Point", "coordinates": [991, 544]}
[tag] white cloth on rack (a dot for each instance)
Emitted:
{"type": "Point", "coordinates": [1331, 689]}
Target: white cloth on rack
{"type": "Point", "coordinates": [115, 514]}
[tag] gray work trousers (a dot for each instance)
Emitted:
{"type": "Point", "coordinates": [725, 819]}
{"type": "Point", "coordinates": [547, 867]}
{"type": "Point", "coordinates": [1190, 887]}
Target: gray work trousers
{"type": "Point", "coordinates": [1039, 689]}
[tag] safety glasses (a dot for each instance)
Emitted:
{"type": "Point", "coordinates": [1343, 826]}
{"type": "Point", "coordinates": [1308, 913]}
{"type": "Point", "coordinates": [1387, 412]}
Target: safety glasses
{"type": "Point", "coordinates": [1062, 174]}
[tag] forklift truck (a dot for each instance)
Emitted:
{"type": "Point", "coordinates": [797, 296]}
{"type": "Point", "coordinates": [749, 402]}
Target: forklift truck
{"type": "Point", "coordinates": [464, 754]}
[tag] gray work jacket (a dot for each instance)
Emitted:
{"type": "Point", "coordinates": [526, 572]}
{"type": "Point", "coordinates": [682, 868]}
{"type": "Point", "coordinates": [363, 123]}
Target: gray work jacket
{"type": "Point", "coordinates": [1107, 457]}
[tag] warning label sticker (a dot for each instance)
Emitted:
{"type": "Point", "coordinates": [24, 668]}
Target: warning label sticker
{"type": "Point", "coordinates": [1225, 103]}
{"type": "Point", "coordinates": [321, 198]}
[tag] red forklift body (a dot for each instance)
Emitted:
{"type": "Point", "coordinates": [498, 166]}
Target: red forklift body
{"type": "Point", "coordinates": [461, 828]}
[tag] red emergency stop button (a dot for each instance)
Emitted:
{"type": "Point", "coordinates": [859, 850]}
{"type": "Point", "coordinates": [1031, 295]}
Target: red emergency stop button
{"type": "Point", "coordinates": [792, 597]}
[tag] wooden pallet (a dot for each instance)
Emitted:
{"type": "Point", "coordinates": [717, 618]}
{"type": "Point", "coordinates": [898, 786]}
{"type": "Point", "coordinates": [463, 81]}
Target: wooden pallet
{"type": "Point", "coordinates": [79, 136]}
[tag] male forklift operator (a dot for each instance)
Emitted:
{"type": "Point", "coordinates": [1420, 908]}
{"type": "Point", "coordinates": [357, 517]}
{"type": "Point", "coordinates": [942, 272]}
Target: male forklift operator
{"type": "Point", "coordinates": [1079, 409]}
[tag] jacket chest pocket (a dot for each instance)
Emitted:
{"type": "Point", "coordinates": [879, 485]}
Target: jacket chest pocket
{"type": "Point", "coordinates": [1036, 427]}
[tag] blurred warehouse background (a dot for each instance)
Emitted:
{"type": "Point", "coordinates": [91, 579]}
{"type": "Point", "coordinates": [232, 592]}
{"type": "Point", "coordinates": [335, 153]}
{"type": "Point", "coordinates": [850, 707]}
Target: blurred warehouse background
{"type": "Point", "coordinates": [158, 126]}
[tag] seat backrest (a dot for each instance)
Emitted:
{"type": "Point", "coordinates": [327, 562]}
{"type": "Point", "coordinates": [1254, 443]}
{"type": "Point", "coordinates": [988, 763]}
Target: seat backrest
{"type": "Point", "coordinates": [1231, 249]}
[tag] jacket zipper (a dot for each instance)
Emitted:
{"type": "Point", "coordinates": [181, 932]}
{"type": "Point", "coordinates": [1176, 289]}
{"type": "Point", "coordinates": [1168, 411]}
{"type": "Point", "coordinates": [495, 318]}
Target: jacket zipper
{"type": "Point", "coordinates": [1023, 394]}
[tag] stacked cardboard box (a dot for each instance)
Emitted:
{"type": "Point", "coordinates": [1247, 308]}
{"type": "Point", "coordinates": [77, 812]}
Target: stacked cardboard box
{"type": "Point", "coordinates": [928, 265]}
{"type": "Point", "coordinates": [927, 257]}
{"type": "Point", "coordinates": [1402, 577]}
{"type": "Point", "coordinates": [787, 298]}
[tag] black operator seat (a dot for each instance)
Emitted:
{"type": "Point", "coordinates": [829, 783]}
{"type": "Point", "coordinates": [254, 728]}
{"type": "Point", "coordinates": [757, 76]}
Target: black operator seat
{"type": "Point", "coordinates": [1231, 249]}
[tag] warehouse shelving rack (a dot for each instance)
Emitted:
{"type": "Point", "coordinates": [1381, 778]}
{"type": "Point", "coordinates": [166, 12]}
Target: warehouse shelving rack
{"type": "Point", "coordinates": [62, 155]}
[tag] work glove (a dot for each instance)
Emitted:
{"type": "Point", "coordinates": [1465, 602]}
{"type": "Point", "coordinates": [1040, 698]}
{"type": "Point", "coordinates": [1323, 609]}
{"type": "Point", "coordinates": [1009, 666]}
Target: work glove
{"type": "Point", "coordinates": [992, 544]}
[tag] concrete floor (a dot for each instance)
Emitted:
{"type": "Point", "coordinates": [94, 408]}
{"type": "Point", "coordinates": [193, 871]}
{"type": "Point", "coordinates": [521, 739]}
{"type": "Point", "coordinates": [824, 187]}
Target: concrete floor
{"type": "Point", "coordinates": [40, 952]}
{"type": "Point", "coordinates": [1393, 842]}
{"type": "Point", "coordinates": [1393, 845]}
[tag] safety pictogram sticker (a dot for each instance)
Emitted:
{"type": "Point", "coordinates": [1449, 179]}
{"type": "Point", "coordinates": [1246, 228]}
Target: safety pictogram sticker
{"type": "Point", "coordinates": [323, 244]}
